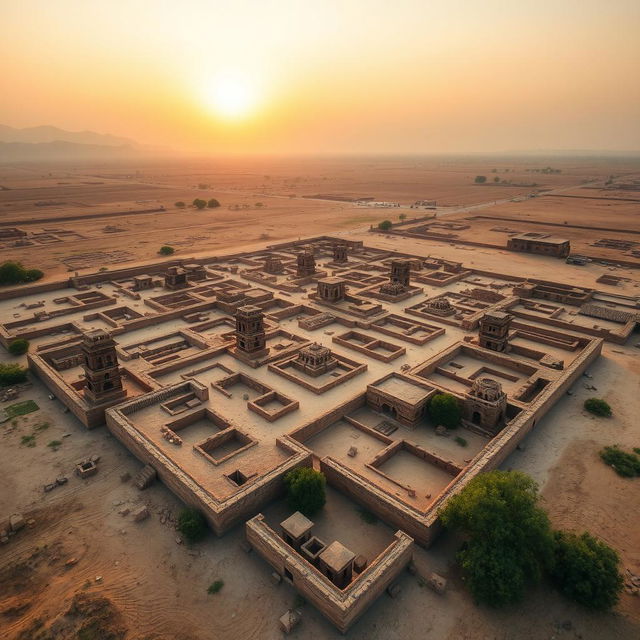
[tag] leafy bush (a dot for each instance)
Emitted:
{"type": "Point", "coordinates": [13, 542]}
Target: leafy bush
{"type": "Point", "coordinates": [166, 250]}
{"type": "Point", "coordinates": [199, 203]}
{"type": "Point", "coordinates": [12, 374]}
{"type": "Point", "coordinates": [597, 407]}
{"type": "Point", "coordinates": [461, 441]}
{"type": "Point", "coordinates": [624, 464]}
{"type": "Point", "coordinates": [586, 570]}
{"type": "Point", "coordinates": [14, 273]}
{"type": "Point", "coordinates": [29, 441]}
{"type": "Point", "coordinates": [192, 525]}
{"type": "Point", "coordinates": [213, 203]}
{"type": "Point", "coordinates": [480, 179]}
{"type": "Point", "coordinates": [305, 490]}
{"type": "Point", "coordinates": [18, 347]}
{"type": "Point", "coordinates": [179, 205]}
{"type": "Point", "coordinates": [54, 444]}
{"type": "Point", "coordinates": [385, 225]}
{"type": "Point", "coordinates": [445, 410]}
{"type": "Point", "coordinates": [509, 536]}
{"type": "Point", "coordinates": [214, 587]}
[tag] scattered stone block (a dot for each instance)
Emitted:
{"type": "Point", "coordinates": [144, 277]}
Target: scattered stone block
{"type": "Point", "coordinates": [124, 512]}
{"type": "Point", "coordinates": [442, 431]}
{"type": "Point", "coordinates": [145, 477]}
{"type": "Point", "coordinates": [62, 480]}
{"type": "Point", "coordinates": [71, 562]}
{"type": "Point", "coordinates": [360, 563]}
{"type": "Point", "coordinates": [141, 514]}
{"type": "Point", "coordinates": [353, 451]}
{"type": "Point", "coordinates": [290, 619]}
{"type": "Point", "coordinates": [437, 583]}
{"type": "Point", "coordinates": [86, 469]}
{"type": "Point", "coordinates": [16, 522]}
{"type": "Point", "coordinates": [50, 487]}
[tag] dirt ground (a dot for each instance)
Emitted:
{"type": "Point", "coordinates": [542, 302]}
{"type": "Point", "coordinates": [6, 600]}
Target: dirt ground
{"type": "Point", "coordinates": [83, 570]}
{"type": "Point", "coordinates": [266, 200]}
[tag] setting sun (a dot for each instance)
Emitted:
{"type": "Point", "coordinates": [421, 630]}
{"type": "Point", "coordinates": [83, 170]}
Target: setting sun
{"type": "Point", "coordinates": [232, 96]}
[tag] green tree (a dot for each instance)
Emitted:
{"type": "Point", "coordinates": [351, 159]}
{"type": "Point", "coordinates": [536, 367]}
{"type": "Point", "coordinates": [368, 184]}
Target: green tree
{"type": "Point", "coordinates": [213, 203]}
{"type": "Point", "coordinates": [199, 203]}
{"type": "Point", "coordinates": [166, 250]}
{"type": "Point", "coordinates": [305, 490]}
{"type": "Point", "coordinates": [31, 275]}
{"type": "Point", "coordinates": [597, 407]}
{"type": "Point", "coordinates": [445, 409]}
{"type": "Point", "coordinates": [509, 540]}
{"type": "Point", "coordinates": [12, 272]}
{"type": "Point", "coordinates": [180, 204]}
{"type": "Point", "coordinates": [18, 347]}
{"type": "Point", "coordinates": [586, 570]}
{"type": "Point", "coordinates": [192, 525]}
{"type": "Point", "coordinates": [385, 225]}
{"type": "Point", "coordinates": [480, 179]}
{"type": "Point", "coordinates": [12, 374]}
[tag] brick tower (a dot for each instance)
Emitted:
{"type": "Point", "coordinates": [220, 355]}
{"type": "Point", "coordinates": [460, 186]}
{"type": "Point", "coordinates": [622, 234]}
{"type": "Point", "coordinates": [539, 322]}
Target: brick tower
{"type": "Point", "coordinates": [494, 330]}
{"type": "Point", "coordinates": [250, 336]}
{"type": "Point", "coordinates": [340, 253]}
{"type": "Point", "coordinates": [103, 382]}
{"type": "Point", "coordinates": [306, 263]}
{"type": "Point", "coordinates": [485, 404]}
{"type": "Point", "coordinates": [400, 272]}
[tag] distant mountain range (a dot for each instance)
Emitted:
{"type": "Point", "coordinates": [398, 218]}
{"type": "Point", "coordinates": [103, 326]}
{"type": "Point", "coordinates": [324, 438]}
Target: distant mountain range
{"type": "Point", "coordinates": [52, 143]}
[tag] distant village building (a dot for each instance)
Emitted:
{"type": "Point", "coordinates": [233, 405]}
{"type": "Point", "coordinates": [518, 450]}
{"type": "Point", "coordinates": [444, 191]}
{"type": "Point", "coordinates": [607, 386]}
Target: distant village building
{"type": "Point", "coordinates": [541, 243]}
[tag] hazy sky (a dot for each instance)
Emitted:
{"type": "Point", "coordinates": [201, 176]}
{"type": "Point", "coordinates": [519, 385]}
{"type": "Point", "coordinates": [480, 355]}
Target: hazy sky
{"type": "Point", "coordinates": [328, 75]}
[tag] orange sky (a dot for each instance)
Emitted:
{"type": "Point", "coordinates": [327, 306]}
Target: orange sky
{"type": "Point", "coordinates": [328, 76]}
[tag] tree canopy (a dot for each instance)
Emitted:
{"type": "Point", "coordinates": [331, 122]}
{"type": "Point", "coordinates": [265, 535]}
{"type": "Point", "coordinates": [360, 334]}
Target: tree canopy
{"type": "Point", "coordinates": [166, 250]}
{"type": "Point", "coordinates": [14, 273]}
{"type": "Point", "coordinates": [445, 410]}
{"type": "Point", "coordinates": [509, 539]}
{"type": "Point", "coordinates": [385, 225]}
{"type": "Point", "coordinates": [18, 347]}
{"type": "Point", "coordinates": [212, 203]}
{"type": "Point", "coordinates": [305, 490]}
{"type": "Point", "coordinates": [192, 525]}
{"type": "Point", "coordinates": [199, 203]}
{"type": "Point", "coordinates": [586, 570]}
{"type": "Point", "coordinates": [12, 374]}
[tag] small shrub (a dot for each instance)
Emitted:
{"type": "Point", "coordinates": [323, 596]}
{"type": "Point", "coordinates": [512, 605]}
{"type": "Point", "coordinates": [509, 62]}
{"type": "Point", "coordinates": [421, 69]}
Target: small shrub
{"type": "Point", "coordinates": [179, 205]}
{"type": "Point", "coordinates": [585, 569]}
{"type": "Point", "coordinates": [166, 250]}
{"type": "Point", "coordinates": [41, 426]}
{"type": "Point", "coordinates": [597, 407]}
{"type": "Point", "coordinates": [214, 587]}
{"type": "Point", "coordinates": [385, 225]}
{"type": "Point", "coordinates": [367, 516]}
{"type": "Point", "coordinates": [213, 204]}
{"type": "Point", "coordinates": [480, 179]}
{"type": "Point", "coordinates": [624, 464]}
{"type": "Point", "coordinates": [461, 441]}
{"type": "Point", "coordinates": [18, 347]}
{"type": "Point", "coordinates": [54, 444]}
{"type": "Point", "coordinates": [199, 203]}
{"type": "Point", "coordinates": [31, 275]}
{"type": "Point", "coordinates": [29, 441]}
{"type": "Point", "coordinates": [402, 216]}
{"type": "Point", "coordinates": [12, 374]}
{"type": "Point", "coordinates": [445, 410]}
{"type": "Point", "coordinates": [192, 525]}
{"type": "Point", "coordinates": [305, 490]}
{"type": "Point", "coordinates": [14, 273]}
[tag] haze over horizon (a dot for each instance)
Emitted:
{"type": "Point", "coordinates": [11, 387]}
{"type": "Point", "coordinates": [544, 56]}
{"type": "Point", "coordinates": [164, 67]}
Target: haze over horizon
{"type": "Point", "coordinates": [360, 76]}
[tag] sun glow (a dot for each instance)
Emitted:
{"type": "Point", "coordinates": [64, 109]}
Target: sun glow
{"type": "Point", "coordinates": [232, 96]}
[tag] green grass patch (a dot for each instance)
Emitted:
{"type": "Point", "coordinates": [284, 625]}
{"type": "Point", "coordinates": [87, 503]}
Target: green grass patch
{"type": "Point", "coordinates": [29, 441]}
{"type": "Point", "coordinates": [624, 464]}
{"type": "Point", "coordinates": [54, 444]}
{"type": "Point", "coordinates": [214, 587]}
{"type": "Point", "coordinates": [461, 441]}
{"type": "Point", "coordinates": [21, 408]}
{"type": "Point", "coordinates": [367, 516]}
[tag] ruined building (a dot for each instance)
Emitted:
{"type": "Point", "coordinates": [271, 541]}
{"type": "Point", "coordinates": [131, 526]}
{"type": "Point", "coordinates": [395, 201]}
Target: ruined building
{"type": "Point", "coordinates": [306, 264]}
{"type": "Point", "coordinates": [399, 278]}
{"type": "Point", "coordinates": [331, 289]}
{"type": "Point", "coordinates": [273, 265]}
{"type": "Point", "coordinates": [250, 335]}
{"type": "Point", "coordinates": [103, 382]}
{"type": "Point", "coordinates": [485, 405]}
{"type": "Point", "coordinates": [175, 278]}
{"type": "Point", "coordinates": [340, 253]}
{"type": "Point", "coordinates": [494, 330]}
{"type": "Point", "coordinates": [314, 360]}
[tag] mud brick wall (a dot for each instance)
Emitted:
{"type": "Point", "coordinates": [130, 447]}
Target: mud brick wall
{"type": "Point", "coordinates": [341, 607]}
